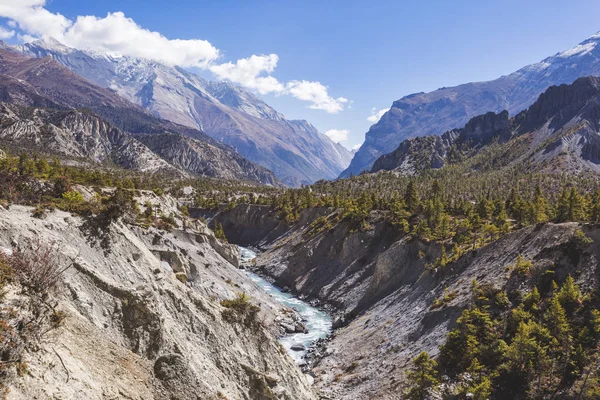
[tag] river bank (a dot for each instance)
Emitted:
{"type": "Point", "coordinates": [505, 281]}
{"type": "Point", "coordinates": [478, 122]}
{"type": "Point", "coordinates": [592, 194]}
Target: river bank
{"type": "Point", "coordinates": [318, 324]}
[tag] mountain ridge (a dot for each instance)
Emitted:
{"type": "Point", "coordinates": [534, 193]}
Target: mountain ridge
{"type": "Point", "coordinates": [298, 154]}
{"type": "Point", "coordinates": [421, 114]}
{"type": "Point", "coordinates": [42, 83]}
{"type": "Point", "coordinates": [559, 132]}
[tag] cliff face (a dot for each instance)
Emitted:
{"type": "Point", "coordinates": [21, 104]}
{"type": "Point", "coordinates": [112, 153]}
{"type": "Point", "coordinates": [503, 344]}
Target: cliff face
{"type": "Point", "coordinates": [134, 331]}
{"type": "Point", "coordinates": [378, 282]}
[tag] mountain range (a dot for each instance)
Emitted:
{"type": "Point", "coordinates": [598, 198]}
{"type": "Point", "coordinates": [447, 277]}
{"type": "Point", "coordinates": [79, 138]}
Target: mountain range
{"type": "Point", "coordinates": [293, 149]}
{"type": "Point", "coordinates": [557, 134]}
{"type": "Point", "coordinates": [433, 113]}
{"type": "Point", "coordinates": [49, 108]}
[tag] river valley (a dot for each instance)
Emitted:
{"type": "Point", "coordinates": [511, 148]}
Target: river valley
{"type": "Point", "coordinates": [317, 322]}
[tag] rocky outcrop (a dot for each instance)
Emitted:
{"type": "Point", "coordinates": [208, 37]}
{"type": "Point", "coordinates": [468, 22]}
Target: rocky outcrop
{"type": "Point", "coordinates": [133, 330]}
{"type": "Point", "coordinates": [433, 113]}
{"type": "Point", "coordinates": [77, 135]}
{"type": "Point", "coordinates": [199, 157]}
{"type": "Point", "coordinates": [417, 154]}
{"type": "Point", "coordinates": [247, 225]}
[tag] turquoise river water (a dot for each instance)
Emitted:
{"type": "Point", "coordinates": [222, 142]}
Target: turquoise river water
{"type": "Point", "coordinates": [318, 323]}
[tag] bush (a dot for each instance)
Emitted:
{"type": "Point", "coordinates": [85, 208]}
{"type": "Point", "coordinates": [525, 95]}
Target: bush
{"type": "Point", "coordinates": [73, 197]}
{"type": "Point", "coordinates": [29, 315]}
{"type": "Point", "coordinates": [38, 269]}
{"type": "Point", "coordinates": [240, 309]}
{"type": "Point", "coordinates": [219, 232]}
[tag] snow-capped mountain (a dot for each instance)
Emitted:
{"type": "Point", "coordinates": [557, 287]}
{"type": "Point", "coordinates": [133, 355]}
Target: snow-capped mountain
{"type": "Point", "coordinates": [294, 150]}
{"type": "Point", "coordinates": [48, 108]}
{"type": "Point", "coordinates": [433, 113]}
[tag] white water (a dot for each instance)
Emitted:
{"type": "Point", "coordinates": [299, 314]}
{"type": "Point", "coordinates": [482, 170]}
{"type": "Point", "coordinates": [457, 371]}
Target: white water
{"type": "Point", "coordinates": [316, 321]}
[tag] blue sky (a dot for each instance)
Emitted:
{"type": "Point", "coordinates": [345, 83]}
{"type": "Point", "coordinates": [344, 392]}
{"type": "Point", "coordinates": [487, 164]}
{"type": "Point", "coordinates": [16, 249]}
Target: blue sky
{"type": "Point", "coordinates": [368, 52]}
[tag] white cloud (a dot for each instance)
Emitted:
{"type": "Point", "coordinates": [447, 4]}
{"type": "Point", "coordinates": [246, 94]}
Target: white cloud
{"type": "Point", "coordinates": [316, 93]}
{"type": "Point", "coordinates": [247, 71]}
{"type": "Point", "coordinates": [117, 34]}
{"type": "Point", "coordinates": [376, 115]}
{"type": "Point", "coordinates": [5, 33]}
{"type": "Point", "coordinates": [356, 147]}
{"type": "Point", "coordinates": [338, 135]}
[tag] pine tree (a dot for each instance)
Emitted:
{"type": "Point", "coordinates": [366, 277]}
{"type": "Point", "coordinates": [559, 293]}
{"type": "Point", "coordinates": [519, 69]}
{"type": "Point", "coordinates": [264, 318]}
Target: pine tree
{"type": "Point", "coordinates": [422, 378]}
{"type": "Point", "coordinates": [411, 197]}
{"type": "Point", "coordinates": [540, 206]}
{"type": "Point", "coordinates": [569, 295]}
{"type": "Point", "coordinates": [562, 210]}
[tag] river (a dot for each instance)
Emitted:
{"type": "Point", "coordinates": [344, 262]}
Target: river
{"type": "Point", "coordinates": [318, 323]}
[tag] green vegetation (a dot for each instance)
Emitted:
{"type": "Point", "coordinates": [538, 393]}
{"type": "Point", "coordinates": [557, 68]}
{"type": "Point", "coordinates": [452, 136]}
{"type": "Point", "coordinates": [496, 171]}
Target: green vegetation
{"type": "Point", "coordinates": [447, 298]}
{"type": "Point", "coordinates": [539, 346]}
{"type": "Point", "coordinates": [240, 309]}
{"type": "Point", "coordinates": [219, 232]}
{"type": "Point", "coordinates": [422, 378]}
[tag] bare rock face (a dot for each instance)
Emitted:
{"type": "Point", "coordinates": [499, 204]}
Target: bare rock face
{"type": "Point", "coordinates": [134, 331]}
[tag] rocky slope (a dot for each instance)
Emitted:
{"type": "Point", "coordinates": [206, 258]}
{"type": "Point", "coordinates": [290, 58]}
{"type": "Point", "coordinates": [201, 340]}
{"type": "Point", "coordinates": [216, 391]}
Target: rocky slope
{"type": "Point", "coordinates": [378, 282]}
{"type": "Point", "coordinates": [45, 83]}
{"type": "Point", "coordinates": [76, 135]}
{"type": "Point", "coordinates": [294, 150]}
{"type": "Point", "coordinates": [433, 113]}
{"type": "Point", "coordinates": [558, 133]}
{"type": "Point", "coordinates": [135, 331]}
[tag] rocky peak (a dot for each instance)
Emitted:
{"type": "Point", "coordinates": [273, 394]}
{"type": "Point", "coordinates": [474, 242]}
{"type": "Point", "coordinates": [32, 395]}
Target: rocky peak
{"type": "Point", "coordinates": [484, 128]}
{"type": "Point", "coordinates": [447, 108]}
{"type": "Point", "coordinates": [559, 103]}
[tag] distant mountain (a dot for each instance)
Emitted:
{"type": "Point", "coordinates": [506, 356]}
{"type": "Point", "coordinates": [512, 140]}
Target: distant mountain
{"type": "Point", "coordinates": [559, 133]}
{"type": "Point", "coordinates": [49, 108]}
{"type": "Point", "coordinates": [294, 150]}
{"type": "Point", "coordinates": [433, 113]}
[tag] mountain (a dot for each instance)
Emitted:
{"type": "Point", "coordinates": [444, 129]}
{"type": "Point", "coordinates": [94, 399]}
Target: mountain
{"type": "Point", "coordinates": [294, 150]}
{"type": "Point", "coordinates": [103, 127]}
{"type": "Point", "coordinates": [559, 133]}
{"type": "Point", "coordinates": [433, 113]}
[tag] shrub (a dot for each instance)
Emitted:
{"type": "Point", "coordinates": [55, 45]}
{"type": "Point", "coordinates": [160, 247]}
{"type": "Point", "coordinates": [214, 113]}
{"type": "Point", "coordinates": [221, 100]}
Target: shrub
{"type": "Point", "coordinates": [448, 297]}
{"type": "Point", "coordinates": [38, 269]}
{"type": "Point", "coordinates": [240, 309]}
{"type": "Point", "coordinates": [219, 232]}
{"type": "Point", "coordinates": [522, 265]}
{"type": "Point", "coordinates": [31, 314]}
{"type": "Point", "coordinates": [73, 197]}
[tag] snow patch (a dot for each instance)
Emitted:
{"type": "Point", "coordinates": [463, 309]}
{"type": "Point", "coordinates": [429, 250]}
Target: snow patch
{"type": "Point", "coordinates": [579, 50]}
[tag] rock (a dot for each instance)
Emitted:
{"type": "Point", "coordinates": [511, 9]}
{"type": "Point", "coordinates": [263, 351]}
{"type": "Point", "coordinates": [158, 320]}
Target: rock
{"type": "Point", "coordinates": [300, 328]}
{"type": "Point", "coordinates": [288, 327]}
{"type": "Point", "coordinates": [131, 336]}
{"type": "Point", "coordinates": [181, 277]}
{"type": "Point", "coordinates": [298, 347]}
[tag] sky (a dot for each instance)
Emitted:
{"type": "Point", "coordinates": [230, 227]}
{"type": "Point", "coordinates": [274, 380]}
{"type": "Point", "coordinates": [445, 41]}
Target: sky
{"type": "Point", "coordinates": [337, 64]}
